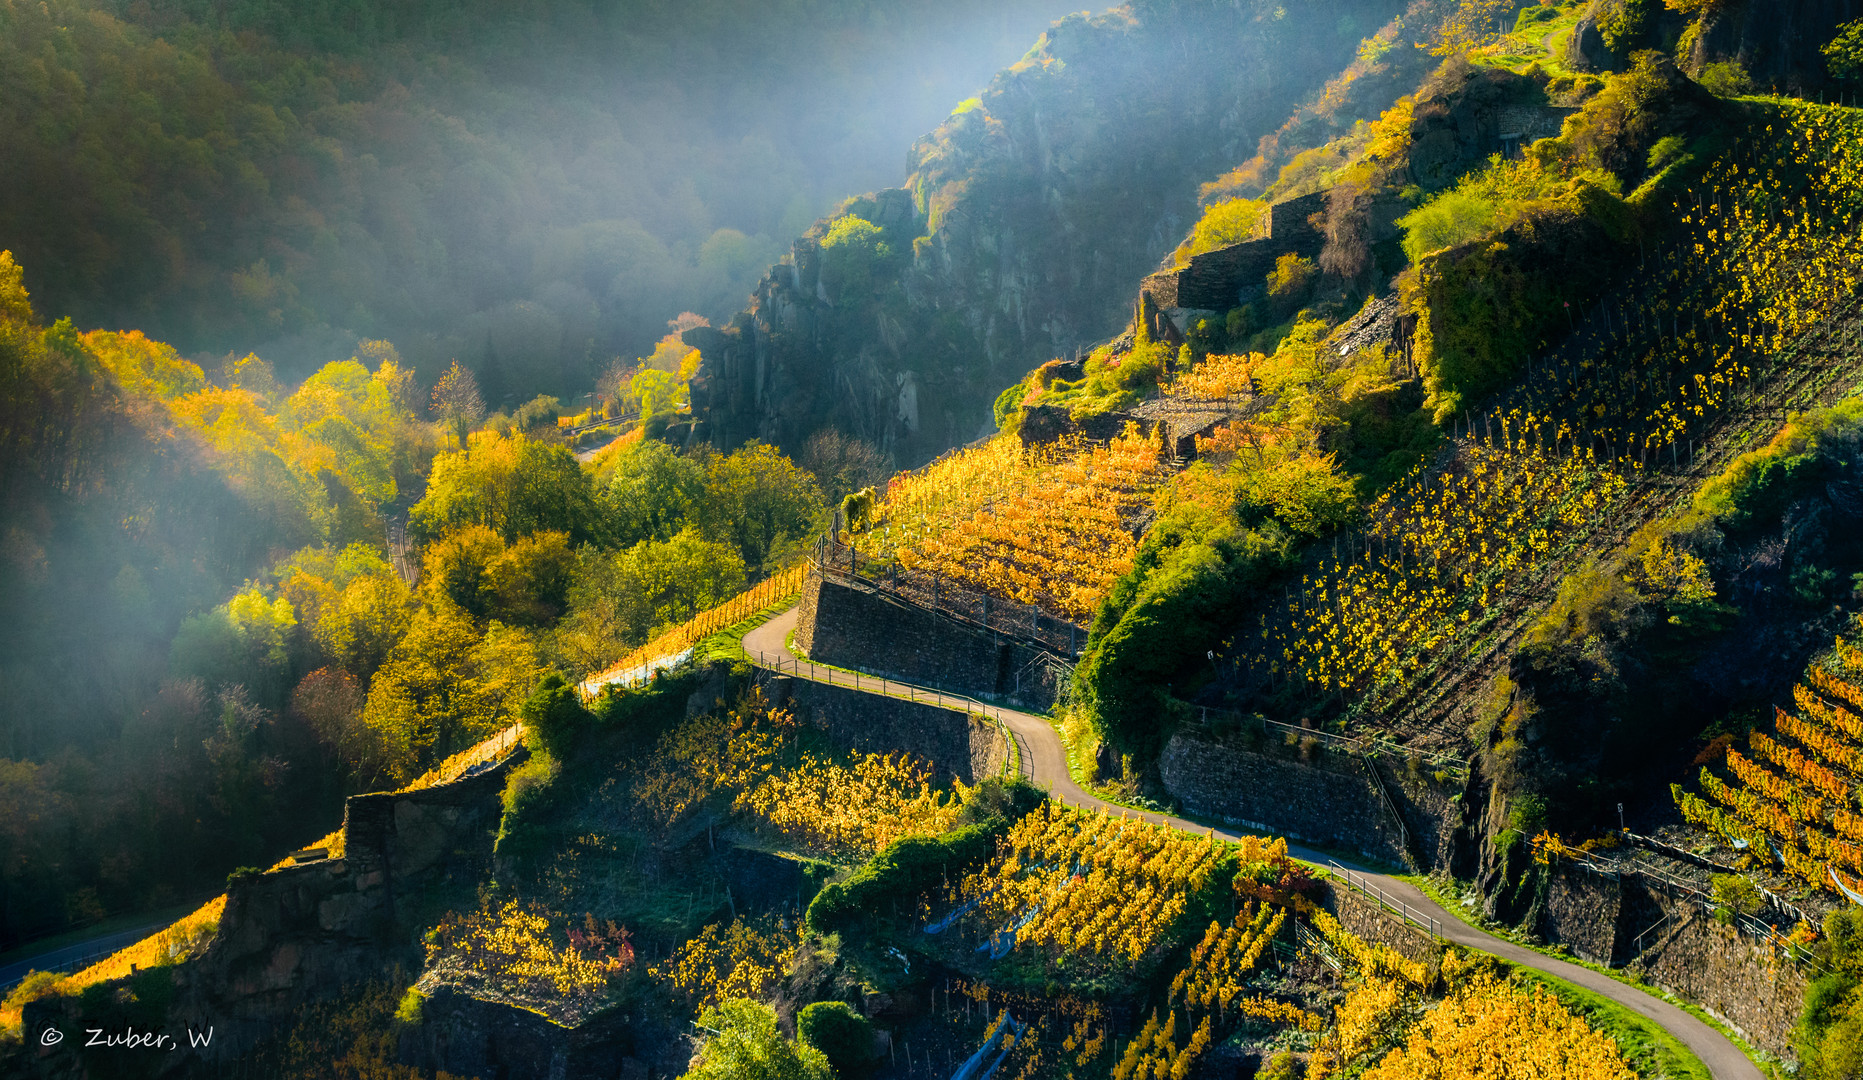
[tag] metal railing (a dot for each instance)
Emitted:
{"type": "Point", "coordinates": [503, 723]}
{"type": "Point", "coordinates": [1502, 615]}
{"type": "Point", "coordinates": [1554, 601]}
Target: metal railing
{"type": "Point", "coordinates": [1012, 619]}
{"type": "Point", "coordinates": [1422, 920]}
{"type": "Point", "coordinates": [1690, 891]}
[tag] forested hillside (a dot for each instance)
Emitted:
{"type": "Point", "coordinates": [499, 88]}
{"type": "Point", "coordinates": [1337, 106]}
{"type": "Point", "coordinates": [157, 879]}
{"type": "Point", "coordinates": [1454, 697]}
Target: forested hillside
{"type": "Point", "coordinates": [208, 638]}
{"type": "Point", "coordinates": [532, 189]}
{"type": "Point", "coordinates": [1025, 219]}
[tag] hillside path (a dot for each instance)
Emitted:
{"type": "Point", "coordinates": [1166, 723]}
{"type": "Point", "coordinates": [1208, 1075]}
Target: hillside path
{"type": "Point", "coordinates": [1044, 763]}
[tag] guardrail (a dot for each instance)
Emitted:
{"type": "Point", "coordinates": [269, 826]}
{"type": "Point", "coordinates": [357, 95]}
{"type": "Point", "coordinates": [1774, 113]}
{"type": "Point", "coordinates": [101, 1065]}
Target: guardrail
{"type": "Point", "coordinates": [1420, 919]}
{"type": "Point", "coordinates": [1012, 619]}
{"type": "Point", "coordinates": [483, 752]}
{"type": "Point", "coordinates": [102, 949]}
{"type": "Point", "coordinates": [1758, 928]}
{"type": "Point", "coordinates": [701, 626]}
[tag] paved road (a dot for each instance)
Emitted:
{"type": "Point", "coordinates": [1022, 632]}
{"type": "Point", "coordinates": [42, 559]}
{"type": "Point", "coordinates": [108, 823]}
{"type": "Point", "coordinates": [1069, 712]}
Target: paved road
{"type": "Point", "coordinates": [1044, 762]}
{"type": "Point", "coordinates": [71, 957]}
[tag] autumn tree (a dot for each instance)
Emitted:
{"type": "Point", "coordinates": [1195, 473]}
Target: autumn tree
{"type": "Point", "coordinates": [1472, 24]}
{"type": "Point", "coordinates": [618, 600]}
{"type": "Point", "coordinates": [842, 463]}
{"type": "Point", "coordinates": [650, 493]}
{"type": "Point", "coordinates": [511, 484]}
{"type": "Point", "coordinates": [759, 501]}
{"type": "Point", "coordinates": [456, 400]}
{"type": "Point", "coordinates": [749, 1046]}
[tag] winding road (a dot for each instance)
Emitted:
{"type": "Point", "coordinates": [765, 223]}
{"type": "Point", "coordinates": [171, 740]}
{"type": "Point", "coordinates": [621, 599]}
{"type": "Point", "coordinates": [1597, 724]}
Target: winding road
{"type": "Point", "coordinates": [1044, 762]}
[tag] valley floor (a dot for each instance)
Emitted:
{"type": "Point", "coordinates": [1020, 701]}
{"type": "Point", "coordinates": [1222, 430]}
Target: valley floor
{"type": "Point", "coordinates": [1044, 762]}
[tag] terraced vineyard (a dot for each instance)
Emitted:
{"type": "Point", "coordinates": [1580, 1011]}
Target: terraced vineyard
{"type": "Point", "coordinates": [1792, 801]}
{"type": "Point", "coordinates": [1048, 527]}
{"type": "Point", "coordinates": [1401, 621]}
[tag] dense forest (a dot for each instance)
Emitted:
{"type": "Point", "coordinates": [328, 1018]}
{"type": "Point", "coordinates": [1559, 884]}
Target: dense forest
{"type": "Point", "coordinates": [532, 189]}
{"type": "Point", "coordinates": [207, 642]}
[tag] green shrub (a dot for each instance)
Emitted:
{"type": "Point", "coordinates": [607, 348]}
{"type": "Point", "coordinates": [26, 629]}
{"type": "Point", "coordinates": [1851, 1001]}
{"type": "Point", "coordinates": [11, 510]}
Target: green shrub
{"type": "Point", "coordinates": [1725, 78]}
{"type": "Point", "coordinates": [242, 875]}
{"type": "Point", "coordinates": [1844, 55]}
{"type": "Point", "coordinates": [527, 800]}
{"type": "Point", "coordinates": [1008, 408]}
{"type": "Point", "coordinates": [1240, 322]}
{"type": "Point", "coordinates": [1759, 485]}
{"type": "Point", "coordinates": [1183, 592]}
{"type": "Point", "coordinates": [1231, 221]}
{"type": "Point", "coordinates": [35, 985]}
{"type": "Point", "coordinates": [408, 1011]}
{"type": "Point", "coordinates": [1626, 24]}
{"type": "Point", "coordinates": [906, 868]}
{"type": "Point", "coordinates": [1736, 895]}
{"type": "Point", "coordinates": [1538, 15]}
{"type": "Point", "coordinates": [747, 1045]}
{"type": "Point", "coordinates": [554, 719]}
{"type": "Point", "coordinates": [1449, 220]}
{"type": "Point", "coordinates": [843, 1036]}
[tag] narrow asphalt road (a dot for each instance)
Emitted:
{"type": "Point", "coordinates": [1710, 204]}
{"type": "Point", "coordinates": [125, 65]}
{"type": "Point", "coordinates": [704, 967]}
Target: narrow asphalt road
{"type": "Point", "coordinates": [63, 959]}
{"type": "Point", "coordinates": [1044, 762]}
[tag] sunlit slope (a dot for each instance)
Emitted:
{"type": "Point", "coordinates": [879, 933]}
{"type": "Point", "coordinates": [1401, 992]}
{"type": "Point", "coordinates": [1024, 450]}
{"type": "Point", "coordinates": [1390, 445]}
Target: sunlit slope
{"type": "Point", "coordinates": [1746, 311]}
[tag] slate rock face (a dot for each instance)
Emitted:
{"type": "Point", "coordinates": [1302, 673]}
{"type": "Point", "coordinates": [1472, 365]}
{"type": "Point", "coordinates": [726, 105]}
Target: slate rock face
{"type": "Point", "coordinates": [1778, 42]}
{"type": "Point", "coordinates": [1029, 219]}
{"type": "Point", "coordinates": [1586, 51]}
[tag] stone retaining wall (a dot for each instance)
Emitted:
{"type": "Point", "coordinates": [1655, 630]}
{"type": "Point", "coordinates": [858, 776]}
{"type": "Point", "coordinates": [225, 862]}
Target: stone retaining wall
{"type": "Point", "coordinates": [956, 744]}
{"type": "Point", "coordinates": [1368, 920]}
{"type": "Point", "coordinates": [1329, 800]}
{"type": "Point", "coordinates": [301, 933]}
{"type": "Point", "coordinates": [1221, 279]}
{"type": "Point", "coordinates": [1676, 944]}
{"type": "Point", "coordinates": [864, 629]}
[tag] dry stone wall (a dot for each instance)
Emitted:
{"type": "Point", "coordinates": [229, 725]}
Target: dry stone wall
{"type": "Point", "coordinates": [1368, 920]}
{"type": "Point", "coordinates": [1221, 279]}
{"type": "Point", "coordinates": [301, 933]}
{"type": "Point", "coordinates": [1329, 799]}
{"type": "Point", "coordinates": [850, 627]}
{"type": "Point", "coordinates": [957, 745]}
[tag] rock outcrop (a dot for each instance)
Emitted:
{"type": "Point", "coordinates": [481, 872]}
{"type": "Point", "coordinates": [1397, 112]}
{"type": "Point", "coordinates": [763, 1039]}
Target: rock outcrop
{"type": "Point", "coordinates": [1777, 42]}
{"type": "Point", "coordinates": [1032, 212]}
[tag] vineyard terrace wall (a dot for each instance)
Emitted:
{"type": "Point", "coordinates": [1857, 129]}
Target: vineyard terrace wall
{"type": "Point", "coordinates": [956, 745]}
{"type": "Point", "coordinates": [1366, 919]}
{"type": "Point", "coordinates": [1221, 279]}
{"type": "Point", "coordinates": [856, 628]}
{"type": "Point", "coordinates": [305, 932]}
{"type": "Point", "coordinates": [1676, 944]}
{"type": "Point", "coordinates": [467, 1036]}
{"type": "Point", "coordinates": [1328, 798]}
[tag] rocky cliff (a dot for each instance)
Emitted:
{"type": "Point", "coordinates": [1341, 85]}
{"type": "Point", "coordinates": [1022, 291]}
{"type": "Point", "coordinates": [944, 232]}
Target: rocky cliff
{"type": "Point", "coordinates": [1025, 223]}
{"type": "Point", "coordinates": [1777, 42]}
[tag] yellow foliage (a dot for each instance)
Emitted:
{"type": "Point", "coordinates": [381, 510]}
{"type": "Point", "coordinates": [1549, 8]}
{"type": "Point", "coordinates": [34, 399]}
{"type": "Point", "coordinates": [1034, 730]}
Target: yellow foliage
{"type": "Point", "coordinates": [1102, 890]}
{"type": "Point", "coordinates": [1048, 528]}
{"type": "Point", "coordinates": [848, 808]}
{"type": "Point", "coordinates": [514, 950]}
{"type": "Point", "coordinates": [1485, 1020]}
{"type": "Point", "coordinates": [853, 809]}
{"type": "Point", "coordinates": [182, 940]}
{"type": "Point", "coordinates": [739, 960]}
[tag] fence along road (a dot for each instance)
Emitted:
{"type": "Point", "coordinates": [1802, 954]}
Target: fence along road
{"type": "Point", "coordinates": [1044, 763]}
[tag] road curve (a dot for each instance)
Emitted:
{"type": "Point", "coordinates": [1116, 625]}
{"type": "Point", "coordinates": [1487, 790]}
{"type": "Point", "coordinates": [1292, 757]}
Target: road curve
{"type": "Point", "coordinates": [1044, 762]}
